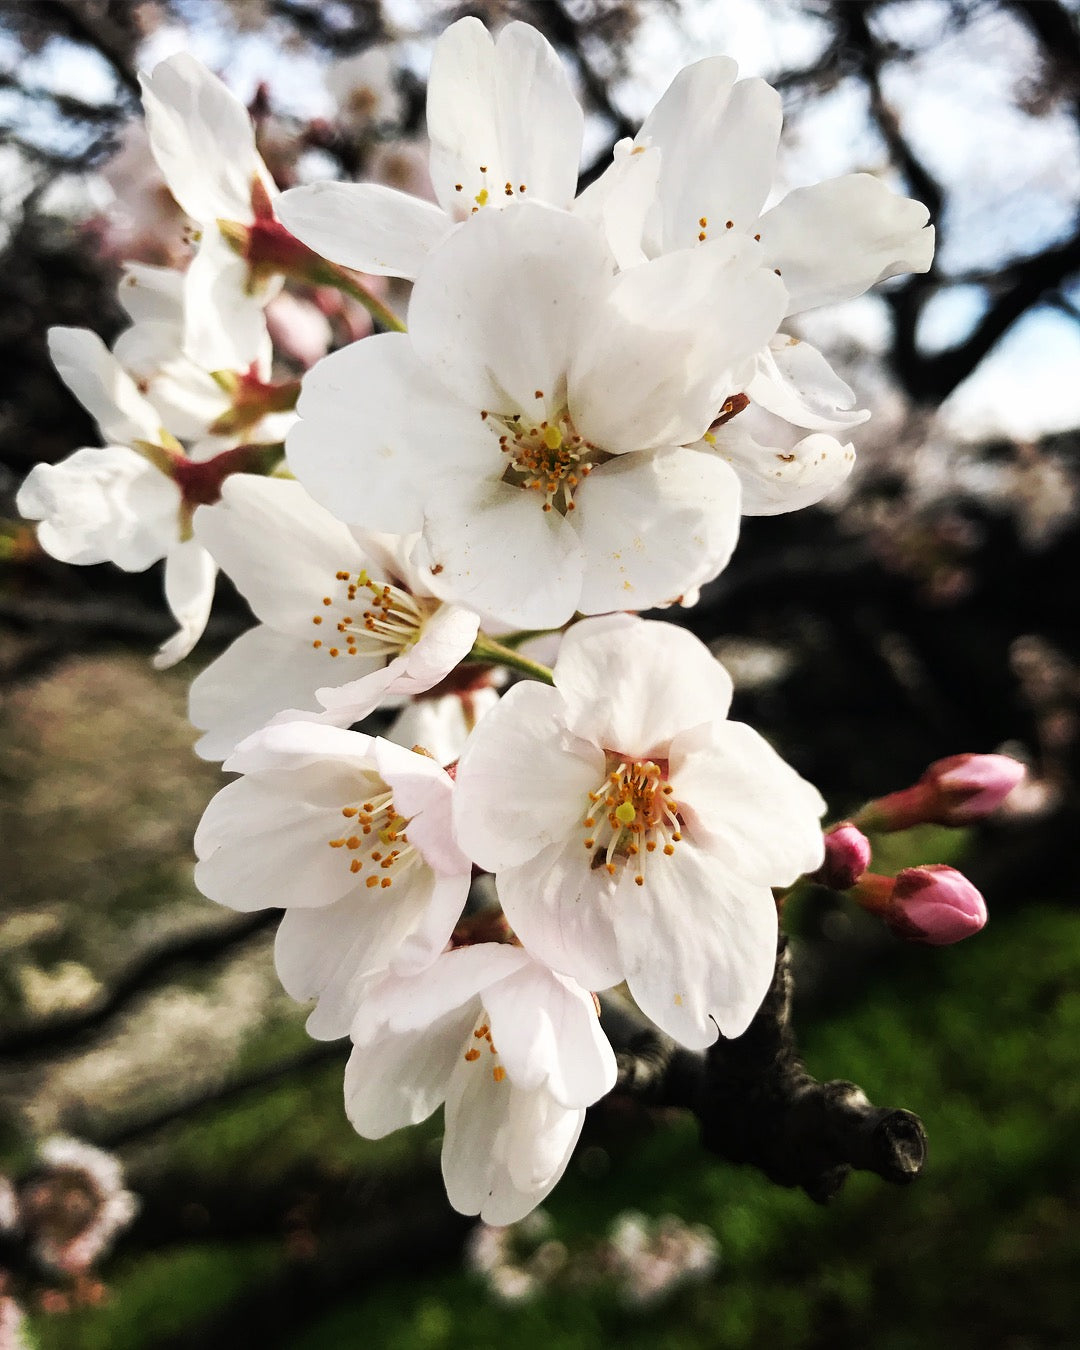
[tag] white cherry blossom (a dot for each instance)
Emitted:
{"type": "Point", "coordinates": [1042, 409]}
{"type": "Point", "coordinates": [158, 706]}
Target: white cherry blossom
{"type": "Point", "coordinates": [352, 837]}
{"type": "Point", "coordinates": [204, 142]}
{"type": "Point", "coordinates": [635, 833]}
{"type": "Point", "coordinates": [514, 1050]}
{"type": "Point", "coordinates": [345, 622]}
{"type": "Point", "coordinates": [124, 502]}
{"type": "Point", "coordinates": [530, 423]}
{"type": "Point", "coordinates": [504, 127]}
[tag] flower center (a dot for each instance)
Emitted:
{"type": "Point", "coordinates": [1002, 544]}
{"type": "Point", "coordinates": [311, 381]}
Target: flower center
{"type": "Point", "coordinates": [379, 843]}
{"type": "Point", "coordinates": [631, 815]}
{"type": "Point", "coordinates": [475, 1049]}
{"type": "Point", "coordinates": [548, 457]}
{"type": "Point", "coordinates": [370, 619]}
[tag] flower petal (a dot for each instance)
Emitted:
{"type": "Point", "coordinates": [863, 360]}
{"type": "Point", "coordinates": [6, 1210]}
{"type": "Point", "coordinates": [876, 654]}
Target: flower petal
{"type": "Point", "coordinates": [224, 317]}
{"type": "Point", "coordinates": [775, 480]}
{"type": "Point", "coordinates": [753, 810]}
{"type": "Point", "coordinates": [375, 428]}
{"type": "Point", "coordinates": [654, 526]}
{"type": "Point", "coordinates": [495, 313]}
{"type": "Point", "coordinates": [203, 140]}
{"type": "Point", "coordinates": [836, 239]}
{"type": "Point", "coordinates": [260, 674]}
{"type": "Point", "coordinates": [493, 547]}
{"type": "Point", "coordinates": [367, 226]}
{"type": "Point", "coordinates": [631, 685]}
{"type": "Point", "coordinates": [103, 387]}
{"type": "Point", "coordinates": [423, 793]}
{"type": "Point", "coordinates": [522, 781]}
{"type": "Point", "coordinates": [394, 1080]}
{"type": "Point", "coordinates": [501, 113]}
{"type": "Point", "coordinates": [190, 577]}
{"type": "Point", "coordinates": [281, 550]}
{"type": "Point", "coordinates": [548, 1034]}
{"type": "Point", "coordinates": [698, 943]}
{"type": "Point", "coordinates": [794, 381]}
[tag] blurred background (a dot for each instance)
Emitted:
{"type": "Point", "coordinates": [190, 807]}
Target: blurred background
{"type": "Point", "coordinates": [932, 607]}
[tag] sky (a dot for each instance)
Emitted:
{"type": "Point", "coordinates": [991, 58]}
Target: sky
{"type": "Point", "coordinates": [1014, 178]}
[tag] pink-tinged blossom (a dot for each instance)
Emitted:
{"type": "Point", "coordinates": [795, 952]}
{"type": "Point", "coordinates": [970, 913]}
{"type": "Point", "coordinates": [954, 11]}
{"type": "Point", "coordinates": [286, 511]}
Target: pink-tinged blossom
{"type": "Point", "coordinates": [635, 834]}
{"type": "Point", "coordinates": [351, 836]}
{"type": "Point", "coordinates": [72, 1204]}
{"type": "Point", "coordinates": [530, 424]}
{"type": "Point", "coordinates": [504, 127]}
{"type": "Point", "coordinates": [346, 624]}
{"type": "Point", "coordinates": [514, 1050]}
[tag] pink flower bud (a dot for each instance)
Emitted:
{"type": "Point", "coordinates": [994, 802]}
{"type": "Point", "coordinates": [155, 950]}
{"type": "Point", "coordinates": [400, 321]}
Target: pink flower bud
{"type": "Point", "coordinates": [934, 904]}
{"type": "Point", "coordinates": [952, 791]}
{"type": "Point", "coordinates": [847, 856]}
{"type": "Point", "coordinates": [969, 787]}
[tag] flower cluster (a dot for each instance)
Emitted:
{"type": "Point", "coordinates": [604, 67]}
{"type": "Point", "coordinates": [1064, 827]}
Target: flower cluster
{"type": "Point", "coordinates": [591, 392]}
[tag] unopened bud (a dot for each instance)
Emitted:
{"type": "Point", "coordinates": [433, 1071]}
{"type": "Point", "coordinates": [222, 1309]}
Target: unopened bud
{"type": "Point", "coordinates": [847, 856]}
{"type": "Point", "coordinates": [953, 791]}
{"type": "Point", "coordinates": [933, 904]}
{"type": "Point", "coordinates": [969, 787]}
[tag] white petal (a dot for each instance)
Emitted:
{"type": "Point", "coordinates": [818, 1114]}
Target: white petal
{"type": "Point", "coordinates": [423, 793]}
{"type": "Point", "coordinates": [335, 953]}
{"type": "Point", "coordinates": [151, 294]}
{"type": "Point", "coordinates": [446, 640]}
{"type": "Point", "coordinates": [665, 347]}
{"type": "Point", "coordinates": [698, 943]}
{"type": "Point", "coordinates": [281, 549]}
{"type": "Point", "coordinates": [456, 980]}
{"type": "Point", "coordinates": [258, 675]}
{"type": "Point", "coordinates": [374, 429]}
{"type": "Point", "coordinates": [398, 1079]}
{"type": "Point", "coordinates": [493, 547]}
{"type": "Point", "coordinates": [522, 781]}
{"type": "Point", "coordinates": [654, 526]}
{"type": "Point", "coordinates": [185, 397]}
{"type": "Point", "coordinates": [202, 139]}
{"type": "Point", "coordinates": [631, 685]}
{"type": "Point", "coordinates": [190, 575]}
{"type": "Point", "coordinates": [500, 113]}
{"type": "Point", "coordinates": [372, 228]}
{"type": "Point", "coordinates": [548, 1033]}
{"type": "Point", "coordinates": [102, 504]}
{"type": "Point", "coordinates": [299, 745]}
{"type": "Point", "coordinates": [794, 381]}
{"type": "Point", "coordinates": [496, 312]}
{"type": "Point", "coordinates": [751, 809]}
{"type": "Point", "coordinates": [442, 725]}
{"type": "Point", "coordinates": [503, 1149]}
{"type": "Point", "coordinates": [103, 387]}
{"type": "Point", "coordinates": [834, 240]}
{"type": "Point", "coordinates": [775, 480]}
{"type": "Point", "coordinates": [620, 199]}
{"type": "Point", "coordinates": [224, 319]}
{"type": "Point", "coordinates": [718, 142]}
{"type": "Point", "coordinates": [263, 847]}
{"type": "Point", "coordinates": [559, 905]}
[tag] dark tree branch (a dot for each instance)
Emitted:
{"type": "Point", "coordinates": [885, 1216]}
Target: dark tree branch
{"type": "Point", "coordinates": [757, 1103]}
{"type": "Point", "coordinates": [154, 969]}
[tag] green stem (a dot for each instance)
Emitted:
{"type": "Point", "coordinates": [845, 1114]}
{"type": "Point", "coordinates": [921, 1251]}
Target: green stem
{"type": "Point", "coordinates": [348, 284]}
{"type": "Point", "coordinates": [523, 635]}
{"type": "Point", "coordinates": [496, 654]}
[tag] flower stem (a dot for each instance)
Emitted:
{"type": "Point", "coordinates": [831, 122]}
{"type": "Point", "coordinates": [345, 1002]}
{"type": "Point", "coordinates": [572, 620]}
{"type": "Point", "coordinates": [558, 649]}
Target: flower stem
{"type": "Point", "coordinates": [341, 279]}
{"type": "Point", "coordinates": [523, 635]}
{"type": "Point", "coordinates": [496, 654]}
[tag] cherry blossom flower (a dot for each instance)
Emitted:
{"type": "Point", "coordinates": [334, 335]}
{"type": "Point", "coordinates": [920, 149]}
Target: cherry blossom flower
{"type": "Point", "coordinates": [345, 622]}
{"type": "Point", "coordinates": [442, 725]}
{"type": "Point", "coordinates": [204, 142]}
{"type": "Point", "coordinates": [634, 833]}
{"type": "Point", "coordinates": [514, 1050]}
{"type": "Point", "coordinates": [364, 89]}
{"type": "Point", "coordinates": [123, 502]}
{"type": "Point", "coordinates": [504, 126]}
{"type": "Point", "coordinates": [352, 837]}
{"type": "Point", "coordinates": [530, 423]}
